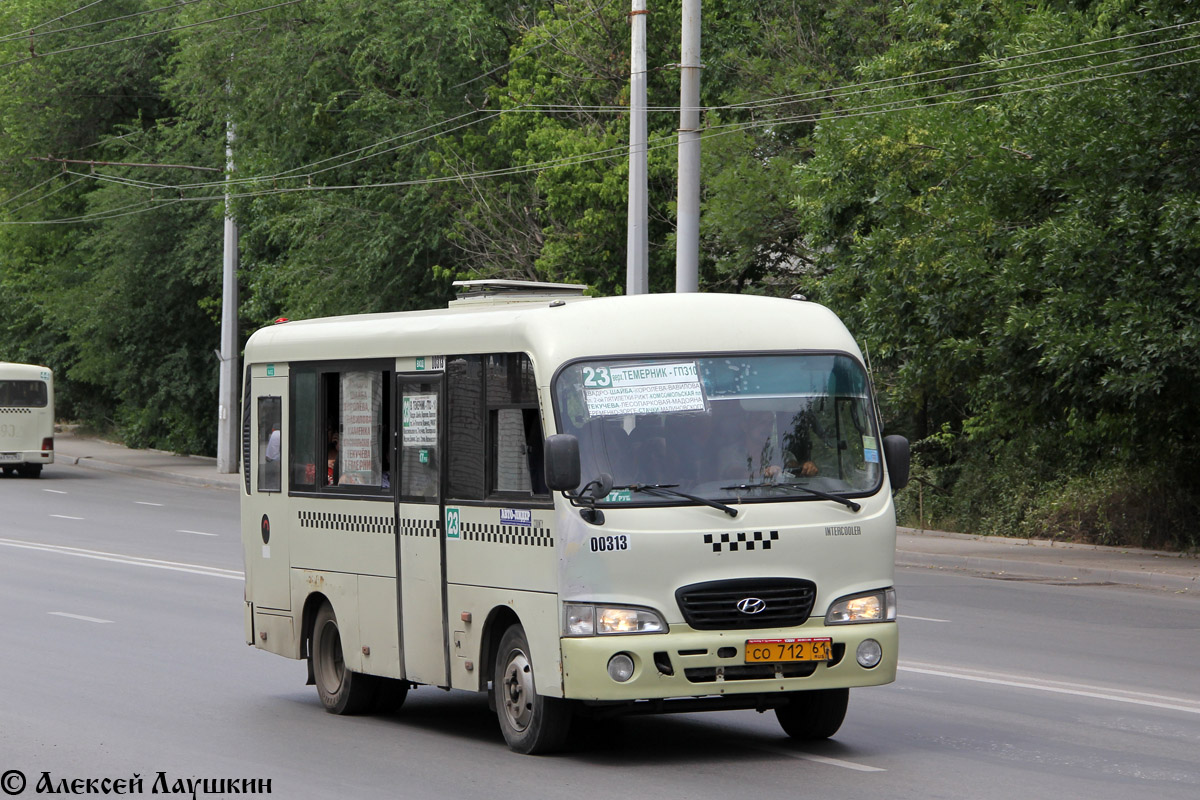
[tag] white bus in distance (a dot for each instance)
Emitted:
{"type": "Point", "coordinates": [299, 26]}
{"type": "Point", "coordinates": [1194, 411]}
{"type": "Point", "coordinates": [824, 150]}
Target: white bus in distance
{"type": "Point", "coordinates": [26, 418]}
{"type": "Point", "coordinates": [582, 506]}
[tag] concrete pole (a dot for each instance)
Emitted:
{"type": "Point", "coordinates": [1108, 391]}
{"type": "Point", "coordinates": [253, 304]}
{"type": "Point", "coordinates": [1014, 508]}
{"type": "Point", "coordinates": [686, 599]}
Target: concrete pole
{"type": "Point", "coordinates": [637, 258]}
{"type": "Point", "coordinates": [687, 232]}
{"type": "Point", "coordinates": [228, 418]}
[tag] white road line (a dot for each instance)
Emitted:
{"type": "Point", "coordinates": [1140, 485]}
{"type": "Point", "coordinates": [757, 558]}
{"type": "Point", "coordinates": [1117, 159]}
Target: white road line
{"type": "Point", "coordinates": [144, 503]}
{"type": "Point", "coordinates": [832, 762]}
{"type": "Point", "coordinates": [923, 619]}
{"type": "Point", "coordinates": [175, 566]}
{"type": "Point", "coordinates": [54, 491]}
{"type": "Point", "coordinates": [79, 616]}
{"type": "Point", "coordinates": [64, 516]}
{"type": "Point", "coordinates": [198, 533]}
{"type": "Point", "coordinates": [1185, 705]}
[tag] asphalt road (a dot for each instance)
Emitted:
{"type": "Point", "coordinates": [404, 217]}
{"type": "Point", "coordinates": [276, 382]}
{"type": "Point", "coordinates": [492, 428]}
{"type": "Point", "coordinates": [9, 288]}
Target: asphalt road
{"type": "Point", "coordinates": [121, 653]}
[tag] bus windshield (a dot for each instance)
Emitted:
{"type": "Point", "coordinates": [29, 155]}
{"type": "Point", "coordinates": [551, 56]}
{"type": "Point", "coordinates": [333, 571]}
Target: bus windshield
{"type": "Point", "coordinates": [732, 428]}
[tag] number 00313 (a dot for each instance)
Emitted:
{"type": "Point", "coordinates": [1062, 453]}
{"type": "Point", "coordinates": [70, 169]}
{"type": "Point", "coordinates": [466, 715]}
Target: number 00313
{"type": "Point", "coordinates": [776, 651]}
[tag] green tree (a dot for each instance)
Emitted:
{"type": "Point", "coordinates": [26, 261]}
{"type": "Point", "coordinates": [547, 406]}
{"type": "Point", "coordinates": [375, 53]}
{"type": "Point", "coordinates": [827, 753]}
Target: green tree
{"type": "Point", "coordinates": [1021, 256]}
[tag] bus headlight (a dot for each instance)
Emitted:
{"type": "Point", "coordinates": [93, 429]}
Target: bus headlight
{"type": "Point", "coordinates": [585, 619]}
{"type": "Point", "coordinates": [877, 606]}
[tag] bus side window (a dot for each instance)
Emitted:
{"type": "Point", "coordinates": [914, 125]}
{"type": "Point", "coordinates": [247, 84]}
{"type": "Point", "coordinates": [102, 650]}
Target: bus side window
{"type": "Point", "coordinates": [303, 458]}
{"type": "Point", "coordinates": [514, 426]}
{"type": "Point", "coordinates": [270, 418]}
{"type": "Point", "coordinates": [465, 454]}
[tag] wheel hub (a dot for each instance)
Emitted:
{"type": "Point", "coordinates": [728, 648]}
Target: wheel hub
{"type": "Point", "coordinates": [517, 691]}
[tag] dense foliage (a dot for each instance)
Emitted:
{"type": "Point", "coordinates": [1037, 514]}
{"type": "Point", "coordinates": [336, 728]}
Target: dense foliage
{"type": "Point", "coordinates": [1001, 198]}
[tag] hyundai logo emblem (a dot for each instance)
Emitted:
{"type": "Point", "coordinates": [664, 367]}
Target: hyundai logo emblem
{"type": "Point", "coordinates": [751, 605]}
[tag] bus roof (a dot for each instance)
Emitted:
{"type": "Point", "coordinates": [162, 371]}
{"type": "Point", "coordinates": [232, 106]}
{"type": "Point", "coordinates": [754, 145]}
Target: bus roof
{"type": "Point", "coordinates": [558, 331]}
{"type": "Point", "coordinates": [33, 372]}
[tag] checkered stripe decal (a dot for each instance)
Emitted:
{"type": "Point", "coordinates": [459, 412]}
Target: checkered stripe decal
{"type": "Point", "coordinates": [351, 523]}
{"type": "Point", "coordinates": [18, 410]}
{"type": "Point", "coordinates": [746, 541]}
{"type": "Point", "coordinates": [507, 534]}
{"type": "Point", "coordinates": [421, 528]}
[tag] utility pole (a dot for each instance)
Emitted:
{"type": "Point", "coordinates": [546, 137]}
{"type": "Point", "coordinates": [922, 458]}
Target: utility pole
{"type": "Point", "coordinates": [637, 258]}
{"type": "Point", "coordinates": [687, 231]}
{"type": "Point", "coordinates": [227, 391]}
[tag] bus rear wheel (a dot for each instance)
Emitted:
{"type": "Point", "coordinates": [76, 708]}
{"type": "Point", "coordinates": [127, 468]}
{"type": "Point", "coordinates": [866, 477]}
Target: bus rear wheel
{"type": "Point", "coordinates": [30, 470]}
{"type": "Point", "coordinates": [342, 691]}
{"type": "Point", "coordinates": [531, 723]}
{"type": "Point", "coordinates": [815, 714]}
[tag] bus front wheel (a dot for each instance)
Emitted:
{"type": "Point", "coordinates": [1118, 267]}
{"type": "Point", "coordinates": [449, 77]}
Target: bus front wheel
{"type": "Point", "coordinates": [815, 714]}
{"type": "Point", "coordinates": [531, 723]}
{"type": "Point", "coordinates": [342, 690]}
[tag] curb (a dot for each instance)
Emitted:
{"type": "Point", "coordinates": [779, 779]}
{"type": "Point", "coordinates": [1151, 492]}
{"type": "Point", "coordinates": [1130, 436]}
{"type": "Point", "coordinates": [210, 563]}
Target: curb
{"type": "Point", "coordinates": [90, 462]}
{"type": "Point", "coordinates": [1062, 573]}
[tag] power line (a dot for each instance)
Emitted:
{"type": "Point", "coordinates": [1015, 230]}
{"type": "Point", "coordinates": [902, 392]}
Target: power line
{"type": "Point", "coordinates": [149, 33]}
{"type": "Point", "coordinates": [945, 70]}
{"type": "Point", "coordinates": [286, 175]}
{"type": "Point", "coordinates": [535, 48]}
{"type": "Point", "coordinates": [609, 153]}
{"type": "Point", "coordinates": [29, 34]}
{"type": "Point", "coordinates": [68, 14]}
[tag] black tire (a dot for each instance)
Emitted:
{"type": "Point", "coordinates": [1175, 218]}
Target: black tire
{"type": "Point", "coordinates": [342, 691]}
{"type": "Point", "coordinates": [813, 715]}
{"type": "Point", "coordinates": [389, 695]}
{"type": "Point", "coordinates": [31, 471]}
{"type": "Point", "coordinates": [531, 723]}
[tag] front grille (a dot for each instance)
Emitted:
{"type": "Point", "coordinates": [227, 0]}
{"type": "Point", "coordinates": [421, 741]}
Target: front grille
{"type": "Point", "coordinates": [750, 672]}
{"type": "Point", "coordinates": [713, 606]}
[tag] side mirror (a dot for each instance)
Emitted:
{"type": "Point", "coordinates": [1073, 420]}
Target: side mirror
{"type": "Point", "coordinates": [895, 451]}
{"type": "Point", "coordinates": [562, 462]}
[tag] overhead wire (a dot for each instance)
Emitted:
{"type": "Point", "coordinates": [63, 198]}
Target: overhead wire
{"type": "Point", "coordinates": [61, 17]}
{"type": "Point", "coordinates": [537, 47]}
{"type": "Point", "coordinates": [857, 111]}
{"type": "Point", "coordinates": [609, 153]}
{"type": "Point", "coordinates": [601, 155]}
{"type": "Point", "coordinates": [823, 94]}
{"type": "Point", "coordinates": [123, 39]}
{"type": "Point", "coordinates": [29, 33]}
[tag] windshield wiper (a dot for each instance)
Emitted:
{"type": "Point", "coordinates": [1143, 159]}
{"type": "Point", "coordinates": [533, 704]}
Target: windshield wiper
{"type": "Point", "coordinates": [668, 490]}
{"type": "Point", "coordinates": [837, 498]}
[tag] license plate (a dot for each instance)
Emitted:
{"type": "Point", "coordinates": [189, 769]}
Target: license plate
{"type": "Point", "coordinates": [780, 651]}
{"type": "Point", "coordinates": [6, 458]}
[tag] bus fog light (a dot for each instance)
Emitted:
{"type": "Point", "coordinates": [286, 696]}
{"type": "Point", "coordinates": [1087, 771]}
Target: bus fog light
{"type": "Point", "coordinates": [620, 667]}
{"type": "Point", "coordinates": [870, 652]}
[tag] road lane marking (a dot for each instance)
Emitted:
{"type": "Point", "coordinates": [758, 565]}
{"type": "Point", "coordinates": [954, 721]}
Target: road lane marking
{"type": "Point", "coordinates": [144, 503]}
{"type": "Point", "coordinates": [79, 616]}
{"type": "Point", "coordinates": [1058, 687]}
{"type": "Point", "coordinates": [54, 491]}
{"type": "Point", "coordinates": [832, 762]}
{"type": "Point", "coordinates": [198, 533]}
{"type": "Point", "coordinates": [64, 516]}
{"type": "Point", "coordinates": [153, 563]}
{"type": "Point", "coordinates": [923, 619]}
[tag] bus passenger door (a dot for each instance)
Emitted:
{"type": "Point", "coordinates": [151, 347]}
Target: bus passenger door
{"type": "Point", "coordinates": [420, 541]}
{"type": "Point", "coordinates": [269, 566]}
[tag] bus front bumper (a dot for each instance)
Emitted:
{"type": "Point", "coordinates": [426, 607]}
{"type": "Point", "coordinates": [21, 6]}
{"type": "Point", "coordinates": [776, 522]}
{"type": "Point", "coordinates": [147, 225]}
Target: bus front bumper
{"type": "Point", "coordinates": [690, 663]}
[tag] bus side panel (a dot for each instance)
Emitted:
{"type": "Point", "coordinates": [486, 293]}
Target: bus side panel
{"type": "Point", "coordinates": [356, 536]}
{"type": "Point", "coordinates": [486, 548]}
{"type": "Point", "coordinates": [277, 633]}
{"type": "Point", "coordinates": [341, 591]}
{"type": "Point", "coordinates": [377, 626]}
{"type": "Point", "coordinates": [538, 613]}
